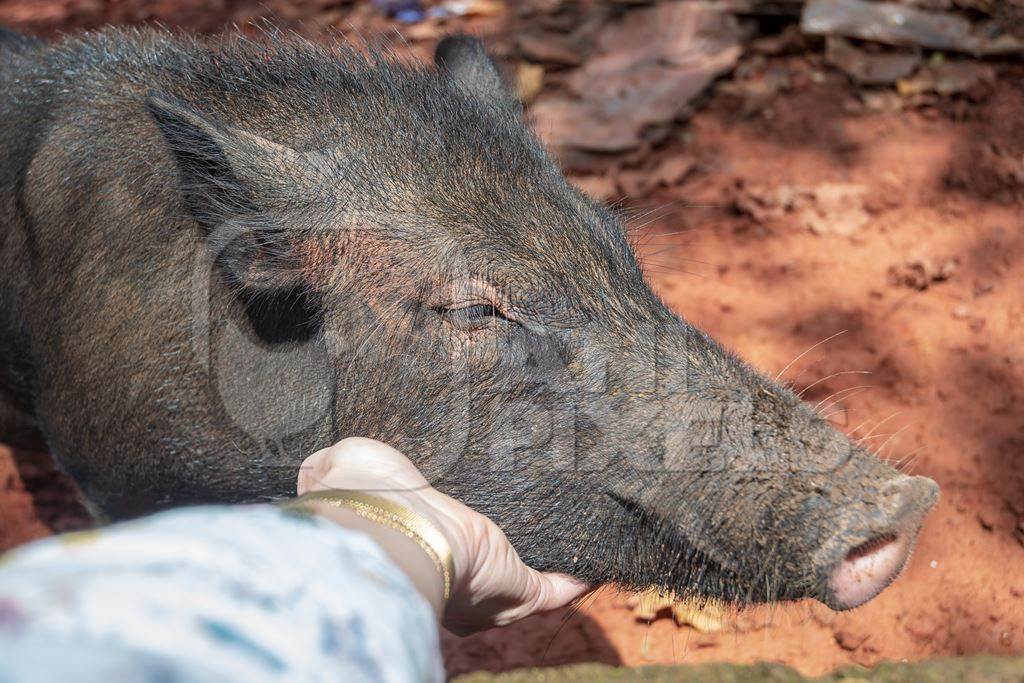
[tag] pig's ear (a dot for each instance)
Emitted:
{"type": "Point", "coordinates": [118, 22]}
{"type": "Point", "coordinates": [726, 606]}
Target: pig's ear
{"type": "Point", "coordinates": [228, 177]}
{"type": "Point", "coordinates": [464, 59]}
{"type": "Point", "coordinates": [224, 171]}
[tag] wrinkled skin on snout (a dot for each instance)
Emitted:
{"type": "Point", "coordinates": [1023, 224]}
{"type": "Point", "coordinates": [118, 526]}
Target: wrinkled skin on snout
{"type": "Point", "coordinates": [331, 247]}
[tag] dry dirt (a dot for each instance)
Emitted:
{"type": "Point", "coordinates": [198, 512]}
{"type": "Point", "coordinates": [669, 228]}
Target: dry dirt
{"type": "Point", "coordinates": [784, 223]}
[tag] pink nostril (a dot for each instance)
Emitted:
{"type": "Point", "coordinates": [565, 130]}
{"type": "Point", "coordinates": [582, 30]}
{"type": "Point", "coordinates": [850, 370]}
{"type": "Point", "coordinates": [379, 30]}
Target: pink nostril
{"type": "Point", "coordinates": [868, 568]}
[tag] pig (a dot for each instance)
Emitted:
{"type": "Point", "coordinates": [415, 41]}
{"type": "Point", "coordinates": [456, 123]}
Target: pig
{"type": "Point", "coordinates": [218, 255]}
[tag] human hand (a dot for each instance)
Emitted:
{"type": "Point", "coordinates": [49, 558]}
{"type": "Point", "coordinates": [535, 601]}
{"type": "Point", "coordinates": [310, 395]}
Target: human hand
{"type": "Point", "coordinates": [492, 587]}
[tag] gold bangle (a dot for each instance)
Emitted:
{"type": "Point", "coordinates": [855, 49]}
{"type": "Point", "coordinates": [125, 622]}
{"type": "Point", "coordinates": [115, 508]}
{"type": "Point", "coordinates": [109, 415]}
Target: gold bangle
{"type": "Point", "coordinates": [394, 516]}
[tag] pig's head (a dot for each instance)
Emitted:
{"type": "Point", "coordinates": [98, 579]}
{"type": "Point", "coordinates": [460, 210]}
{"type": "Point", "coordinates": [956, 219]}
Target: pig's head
{"type": "Point", "coordinates": [478, 313]}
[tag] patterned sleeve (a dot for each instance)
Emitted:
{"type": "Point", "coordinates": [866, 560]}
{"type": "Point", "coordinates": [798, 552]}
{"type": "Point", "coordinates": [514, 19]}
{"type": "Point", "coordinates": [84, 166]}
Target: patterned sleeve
{"type": "Point", "coordinates": [213, 594]}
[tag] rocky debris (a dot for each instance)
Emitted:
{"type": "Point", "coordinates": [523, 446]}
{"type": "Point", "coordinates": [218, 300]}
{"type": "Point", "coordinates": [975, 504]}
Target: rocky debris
{"type": "Point", "coordinates": [671, 171]}
{"type": "Point", "coordinates": [902, 25]}
{"type": "Point", "coordinates": [790, 40]}
{"type": "Point", "coordinates": [884, 44]}
{"type": "Point", "coordinates": [947, 78]}
{"type": "Point", "coordinates": [637, 182]}
{"type": "Point", "coordinates": [605, 80]}
{"type": "Point", "coordinates": [782, 8]}
{"type": "Point", "coordinates": [992, 170]}
{"type": "Point", "coordinates": [550, 47]}
{"type": "Point", "coordinates": [649, 66]}
{"type": "Point", "coordinates": [600, 187]}
{"type": "Point", "coordinates": [853, 636]}
{"type": "Point", "coordinates": [922, 273]}
{"type": "Point", "coordinates": [755, 85]}
{"type": "Point", "coordinates": [825, 209]}
{"type": "Point", "coordinates": [985, 520]}
{"type": "Point", "coordinates": [922, 626]}
{"type": "Point", "coordinates": [870, 67]}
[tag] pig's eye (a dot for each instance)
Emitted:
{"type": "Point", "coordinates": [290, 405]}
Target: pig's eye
{"type": "Point", "coordinates": [473, 316]}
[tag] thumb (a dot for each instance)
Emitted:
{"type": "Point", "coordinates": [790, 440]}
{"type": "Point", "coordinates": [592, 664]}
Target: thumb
{"type": "Point", "coordinates": [547, 591]}
{"type": "Point", "coordinates": [562, 589]}
{"type": "Point", "coordinates": [311, 472]}
{"type": "Point", "coordinates": [554, 590]}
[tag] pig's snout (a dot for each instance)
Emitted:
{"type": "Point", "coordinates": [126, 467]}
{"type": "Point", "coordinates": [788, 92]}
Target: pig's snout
{"type": "Point", "coordinates": [868, 560]}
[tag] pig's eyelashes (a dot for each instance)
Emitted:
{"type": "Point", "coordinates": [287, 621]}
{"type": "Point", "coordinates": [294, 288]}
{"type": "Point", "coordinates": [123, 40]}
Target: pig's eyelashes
{"type": "Point", "coordinates": [479, 311]}
{"type": "Point", "coordinates": [472, 317]}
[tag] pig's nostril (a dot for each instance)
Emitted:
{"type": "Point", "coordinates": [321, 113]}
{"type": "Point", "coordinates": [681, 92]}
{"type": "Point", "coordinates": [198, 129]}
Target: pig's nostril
{"type": "Point", "coordinates": [868, 568]}
{"type": "Point", "coordinates": [868, 547]}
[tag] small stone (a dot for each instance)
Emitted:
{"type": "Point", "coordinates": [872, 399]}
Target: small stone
{"type": "Point", "coordinates": [673, 170]}
{"type": "Point", "coordinates": [633, 183]}
{"type": "Point", "coordinates": [922, 273]}
{"type": "Point", "coordinates": [982, 288]}
{"type": "Point", "coordinates": [851, 637]}
{"type": "Point", "coordinates": [922, 627]}
{"type": "Point", "coordinates": [985, 521]}
{"type": "Point", "coordinates": [945, 270]}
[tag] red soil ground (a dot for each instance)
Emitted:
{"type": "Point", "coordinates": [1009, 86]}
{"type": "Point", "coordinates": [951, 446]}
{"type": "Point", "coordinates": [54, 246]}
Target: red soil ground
{"type": "Point", "coordinates": [927, 287]}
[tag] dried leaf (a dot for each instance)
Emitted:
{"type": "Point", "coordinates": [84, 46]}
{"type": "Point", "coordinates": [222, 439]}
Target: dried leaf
{"type": "Point", "coordinates": [529, 81]}
{"type": "Point", "coordinates": [703, 617]}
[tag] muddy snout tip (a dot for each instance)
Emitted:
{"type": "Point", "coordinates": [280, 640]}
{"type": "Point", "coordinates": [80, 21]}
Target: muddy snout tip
{"type": "Point", "coordinates": [869, 565]}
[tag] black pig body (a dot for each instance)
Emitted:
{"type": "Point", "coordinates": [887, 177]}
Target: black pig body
{"type": "Point", "coordinates": [218, 255]}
